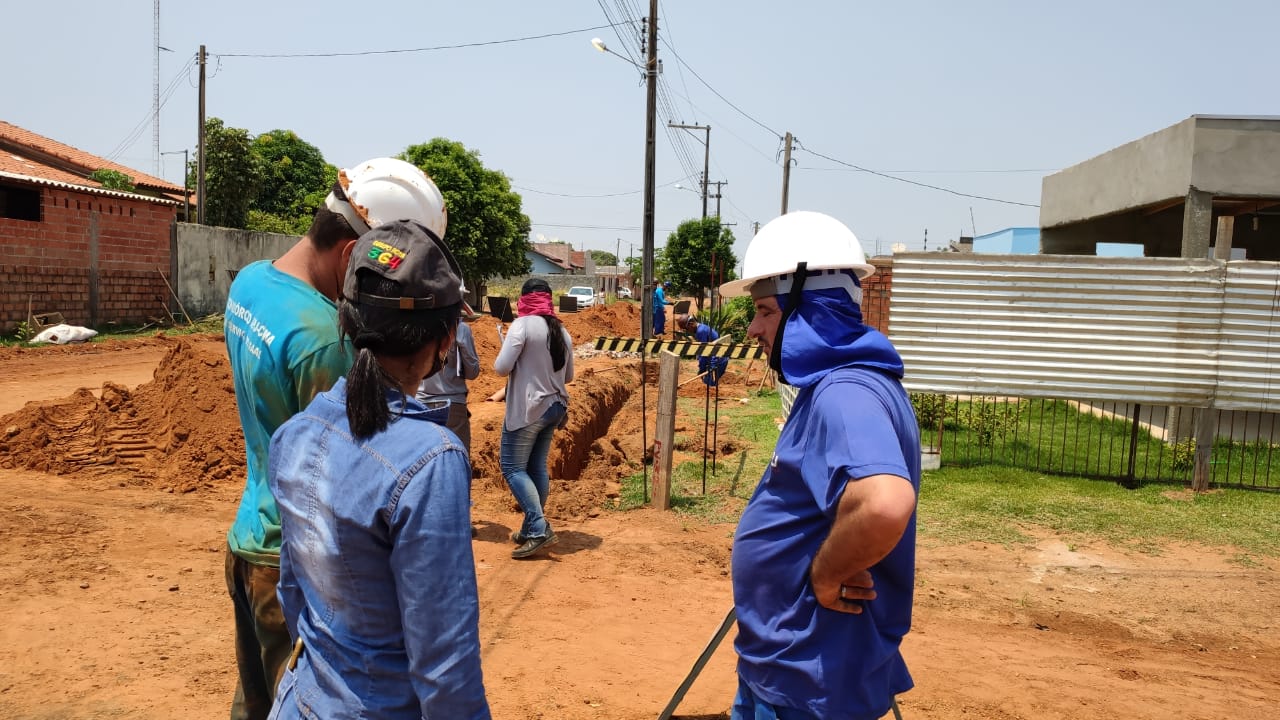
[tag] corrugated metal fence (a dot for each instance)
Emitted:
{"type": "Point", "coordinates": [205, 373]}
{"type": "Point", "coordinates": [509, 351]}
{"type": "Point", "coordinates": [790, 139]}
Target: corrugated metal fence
{"type": "Point", "coordinates": [1057, 362]}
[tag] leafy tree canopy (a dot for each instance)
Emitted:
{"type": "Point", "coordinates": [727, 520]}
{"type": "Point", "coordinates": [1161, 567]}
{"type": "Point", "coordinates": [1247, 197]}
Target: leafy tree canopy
{"type": "Point", "coordinates": [687, 257]}
{"type": "Point", "coordinates": [113, 180]}
{"type": "Point", "coordinates": [488, 231]}
{"type": "Point", "coordinates": [292, 171]}
{"type": "Point", "coordinates": [233, 175]}
{"type": "Point", "coordinates": [604, 257]}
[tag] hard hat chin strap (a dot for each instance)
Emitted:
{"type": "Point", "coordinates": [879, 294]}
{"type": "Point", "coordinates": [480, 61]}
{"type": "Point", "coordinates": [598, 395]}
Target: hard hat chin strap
{"type": "Point", "coordinates": [793, 301]}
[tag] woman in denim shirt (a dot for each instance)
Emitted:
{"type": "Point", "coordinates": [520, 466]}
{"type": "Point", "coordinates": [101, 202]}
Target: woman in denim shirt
{"type": "Point", "coordinates": [377, 580]}
{"type": "Point", "coordinates": [537, 354]}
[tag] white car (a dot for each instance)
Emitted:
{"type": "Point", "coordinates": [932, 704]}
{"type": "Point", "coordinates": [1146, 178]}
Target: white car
{"type": "Point", "coordinates": [586, 296]}
{"type": "Point", "coordinates": [623, 292]}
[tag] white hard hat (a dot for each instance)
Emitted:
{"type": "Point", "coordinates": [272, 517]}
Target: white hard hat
{"type": "Point", "coordinates": [384, 190]}
{"type": "Point", "coordinates": [819, 240]}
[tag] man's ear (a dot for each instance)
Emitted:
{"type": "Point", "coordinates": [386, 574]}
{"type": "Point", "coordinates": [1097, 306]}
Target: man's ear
{"type": "Point", "coordinates": [345, 249]}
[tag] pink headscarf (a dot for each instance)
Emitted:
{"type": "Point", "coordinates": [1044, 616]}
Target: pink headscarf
{"type": "Point", "coordinates": [535, 303]}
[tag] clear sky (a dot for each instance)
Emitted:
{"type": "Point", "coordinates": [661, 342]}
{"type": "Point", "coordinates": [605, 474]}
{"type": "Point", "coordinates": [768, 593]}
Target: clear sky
{"type": "Point", "coordinates": [982, 97]}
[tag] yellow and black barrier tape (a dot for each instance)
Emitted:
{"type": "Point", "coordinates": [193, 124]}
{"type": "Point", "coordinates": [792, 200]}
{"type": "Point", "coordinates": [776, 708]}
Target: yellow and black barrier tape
{"type": "Point", "coordinates": [684, 348]}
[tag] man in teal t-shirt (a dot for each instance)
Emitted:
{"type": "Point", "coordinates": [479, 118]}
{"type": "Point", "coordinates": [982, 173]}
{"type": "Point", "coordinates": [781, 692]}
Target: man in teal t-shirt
{"type": "Point", "coordinates": [284, 347]}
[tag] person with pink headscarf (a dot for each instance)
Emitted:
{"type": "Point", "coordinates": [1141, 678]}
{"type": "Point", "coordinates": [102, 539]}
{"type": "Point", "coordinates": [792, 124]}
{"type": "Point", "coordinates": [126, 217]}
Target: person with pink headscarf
{"type": "Point", "coordinates": [537, 359]}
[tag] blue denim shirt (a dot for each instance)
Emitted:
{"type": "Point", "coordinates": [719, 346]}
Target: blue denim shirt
{"type": "Point", "coordinates": [376, 571]}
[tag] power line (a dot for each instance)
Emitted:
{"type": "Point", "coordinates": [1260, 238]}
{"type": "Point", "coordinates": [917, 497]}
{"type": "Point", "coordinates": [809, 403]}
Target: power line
{"type": "Point", "coordinates": [741, 112]}
{"type": "Point", "coordinates": [799, 146]}
{"type": "Point", "coordinates": [604, 195]}
{"type": "Point", "coordinates": [136, 133]}
{"type": "Point", "coordinates": [594, 227]}
{"type": "Point", "coordinates": [940, 172]}
{"type": "Point", "coordinates": [414, 50]}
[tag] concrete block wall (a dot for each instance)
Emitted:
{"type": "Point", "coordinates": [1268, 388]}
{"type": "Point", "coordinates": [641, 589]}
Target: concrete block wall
{"type": "Point", "coordinates": [92, 258]}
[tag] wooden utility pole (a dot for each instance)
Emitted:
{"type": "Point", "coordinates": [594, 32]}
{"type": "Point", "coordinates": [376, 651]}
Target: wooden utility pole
{"type": "Point", "coordinates": [664, 437]}
{"type": "Point", "coordinates": [786, 173]}
{"type": "Point", "coordinates": [200, 147]}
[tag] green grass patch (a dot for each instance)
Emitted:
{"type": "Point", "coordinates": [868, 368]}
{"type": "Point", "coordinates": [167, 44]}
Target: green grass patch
{"type": "Point", "coordinates": [750, 431]}
{"type": "Point", "coordinates": [1005, 505]}
{"type": "Point", "coordinates": [1055, 436]}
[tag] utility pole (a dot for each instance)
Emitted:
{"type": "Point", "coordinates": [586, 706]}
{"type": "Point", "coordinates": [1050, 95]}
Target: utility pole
{"type": "Point", "coordinates": [651, 104]}
{"type": "Point", "coordinates": [200, 147]}
{"type": "Point", "coordinates": [718, 183]}
{"type": "Point", "coordinates": [755, 228]}
{"type": "Point", "coordinates": [706, 158]}
{"type": "Point", "coordinates": [786, 173]}
{"type": "Point", "coordinates": [186, 192]}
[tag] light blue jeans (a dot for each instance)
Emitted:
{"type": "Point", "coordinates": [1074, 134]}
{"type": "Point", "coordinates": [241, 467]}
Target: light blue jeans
{"type": "Point", "coordinates": [524, 466]}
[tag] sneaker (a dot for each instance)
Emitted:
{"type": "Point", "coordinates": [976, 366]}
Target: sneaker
{"type": "Point", "coordinates": [518, 537]}
{"type": "Point", "coordinates": [533, 545]}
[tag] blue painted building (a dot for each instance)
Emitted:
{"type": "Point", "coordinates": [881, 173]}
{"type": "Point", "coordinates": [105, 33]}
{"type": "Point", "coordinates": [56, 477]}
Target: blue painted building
{"type": "Point", "coordinates": [1010, 241]}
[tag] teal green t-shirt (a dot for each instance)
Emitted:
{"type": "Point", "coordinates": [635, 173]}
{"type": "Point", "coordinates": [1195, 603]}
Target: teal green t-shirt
{"type": "Point", "coordinates": [282, 340]}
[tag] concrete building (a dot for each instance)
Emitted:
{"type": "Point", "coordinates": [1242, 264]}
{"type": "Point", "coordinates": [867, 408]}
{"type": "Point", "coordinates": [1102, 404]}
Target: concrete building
{"type": "Point", "coordinates": [1166, 191]}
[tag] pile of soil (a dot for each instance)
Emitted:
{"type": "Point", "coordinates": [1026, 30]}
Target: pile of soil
{"type": "Point", "coordinates": [178, 432]}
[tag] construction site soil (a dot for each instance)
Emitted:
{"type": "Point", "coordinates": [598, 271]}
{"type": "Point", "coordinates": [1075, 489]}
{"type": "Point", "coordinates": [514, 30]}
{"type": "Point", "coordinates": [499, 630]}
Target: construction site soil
{"type": "Point", "coordinates": [122, 463]}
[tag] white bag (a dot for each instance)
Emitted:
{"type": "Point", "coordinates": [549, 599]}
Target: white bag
{"type": "Point", "coordinates": [63, 334]}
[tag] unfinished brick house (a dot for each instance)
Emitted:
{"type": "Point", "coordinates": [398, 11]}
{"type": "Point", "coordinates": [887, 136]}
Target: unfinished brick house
{"type": "Point", "coordinates": [71, 246]}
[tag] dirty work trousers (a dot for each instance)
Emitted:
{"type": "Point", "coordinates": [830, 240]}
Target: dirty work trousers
{"type": "Point", "coordinates": [262, 638]}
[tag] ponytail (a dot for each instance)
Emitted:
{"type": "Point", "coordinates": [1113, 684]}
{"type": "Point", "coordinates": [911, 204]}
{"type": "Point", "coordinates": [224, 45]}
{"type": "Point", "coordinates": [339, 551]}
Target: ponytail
{"type": "Point", "coordinates": [384, 331]}
{"type": "Point", "coordinates": [555, 342]}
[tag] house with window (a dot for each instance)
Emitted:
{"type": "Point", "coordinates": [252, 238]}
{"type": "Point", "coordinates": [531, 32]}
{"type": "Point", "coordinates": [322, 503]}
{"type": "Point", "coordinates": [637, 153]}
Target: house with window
{"type": "Point", "coordinates": [70, 245]}
{"type": "Point", "coordinates": [556, 259]}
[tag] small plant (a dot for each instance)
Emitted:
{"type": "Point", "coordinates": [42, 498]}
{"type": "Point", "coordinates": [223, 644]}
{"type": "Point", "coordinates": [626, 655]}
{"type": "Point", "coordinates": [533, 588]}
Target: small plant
{"type": "Point", "coordinates": [24, 331]}
{"type": "Point", "coordinates": [930, 409]}
{"type": "Point", "coordinates": [991, 420]}
{"type": "Point", "coordinates": [113, 179]}
{"type": "Point", "coordinates": [1184, 454]}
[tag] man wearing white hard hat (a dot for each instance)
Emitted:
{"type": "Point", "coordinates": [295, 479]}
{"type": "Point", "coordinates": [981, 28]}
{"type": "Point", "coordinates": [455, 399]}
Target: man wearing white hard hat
{"type": "Point", "coordinates": [824, 555]}
{"type": "Point", "coordinates": [284, 347]}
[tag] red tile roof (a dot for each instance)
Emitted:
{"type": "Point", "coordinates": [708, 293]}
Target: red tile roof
{"type": "Point", "coordinates": [51, 160]}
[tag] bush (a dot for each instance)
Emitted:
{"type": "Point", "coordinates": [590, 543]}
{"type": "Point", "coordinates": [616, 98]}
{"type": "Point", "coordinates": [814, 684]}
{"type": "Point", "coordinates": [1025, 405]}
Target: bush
{"type": "Point", "coordinates": [930, 409]}
{"type": "Point", "coordinates": [732, 318]}
{"type": "Point", "coordinates": [1184, 454]}
{"type": "Point", "coordinates": [990, 420]}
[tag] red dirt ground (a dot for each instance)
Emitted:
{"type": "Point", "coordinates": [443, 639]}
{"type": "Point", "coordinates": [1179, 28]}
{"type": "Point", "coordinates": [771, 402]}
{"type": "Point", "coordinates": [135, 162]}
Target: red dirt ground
{"type": "Point", "coordinates": [112, 602]}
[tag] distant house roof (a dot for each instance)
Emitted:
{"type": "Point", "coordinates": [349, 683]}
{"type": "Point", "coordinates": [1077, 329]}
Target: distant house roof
{"type": "Point", "coordinates": [561, 254]}
{"type": "Point", "coordinates": [39, 159]}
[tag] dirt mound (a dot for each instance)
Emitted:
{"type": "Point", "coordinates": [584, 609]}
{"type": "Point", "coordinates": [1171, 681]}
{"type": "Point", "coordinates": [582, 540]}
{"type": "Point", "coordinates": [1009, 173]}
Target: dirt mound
{"type": "Point", "coordinates": [620, 319]}
{"type": "Point", "coordinates": [180, 431]}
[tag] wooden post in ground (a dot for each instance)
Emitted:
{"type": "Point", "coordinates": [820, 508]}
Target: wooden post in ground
{"type": "Point", "coordinates": [1205, 431]}
{"type": "Point", "coordinates": [1222, 245]}
{"type": "Point", "coordinates": [664, 436]}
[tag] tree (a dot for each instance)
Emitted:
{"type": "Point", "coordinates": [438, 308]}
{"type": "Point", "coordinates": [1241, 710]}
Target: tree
{"type": "Point", "coordinates": [232, 175]}
{"type": "Point", "coordinates": [293, 170]}
{"type": "Point", "coordinates": [604, 257]}
{"type": "Point", "coordinates": [488, 232]}
{"type": "Point", "coordinates": [113, 180]}
{"type": "Point", "coordinates": [687, 257]}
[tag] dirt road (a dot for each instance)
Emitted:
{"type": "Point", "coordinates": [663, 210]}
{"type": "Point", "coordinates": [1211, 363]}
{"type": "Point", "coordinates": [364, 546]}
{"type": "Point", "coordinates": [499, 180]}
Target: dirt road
{"type": "Point", "coordinates": [112, 602]}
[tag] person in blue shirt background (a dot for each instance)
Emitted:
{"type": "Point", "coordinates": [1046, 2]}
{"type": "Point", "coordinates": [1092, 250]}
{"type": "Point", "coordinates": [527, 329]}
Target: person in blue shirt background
{"type": "Point", "coordinates": [284, 349]}
{"type": "Point", "coordinates": [710, 368]}
{"type": "Point", "coordinates": [660, 304]}
{"type": "Point", "coordinates": [824, 554]}
{"type": "Point", "coordinates": [377, 578]}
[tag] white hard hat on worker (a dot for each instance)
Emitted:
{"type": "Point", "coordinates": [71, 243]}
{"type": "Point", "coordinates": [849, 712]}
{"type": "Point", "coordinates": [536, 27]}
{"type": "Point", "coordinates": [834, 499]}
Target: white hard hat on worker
{"type": "Point", "coordinates": [819, 241]}
{"type": "Point", "coordinates": [384, 190]}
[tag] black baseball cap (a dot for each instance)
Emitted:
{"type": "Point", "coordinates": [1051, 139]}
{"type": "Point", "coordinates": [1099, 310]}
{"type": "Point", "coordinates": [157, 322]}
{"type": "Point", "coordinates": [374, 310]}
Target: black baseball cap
{"type": "Point", "coordinates": [409, 253]}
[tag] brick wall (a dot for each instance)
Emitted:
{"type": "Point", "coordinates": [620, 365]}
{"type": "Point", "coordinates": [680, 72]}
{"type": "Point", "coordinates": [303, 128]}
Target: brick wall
{"type": "Point", "coordinates": [51, 263]}
{"type": "Point", "coordinates": [876, 291]}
